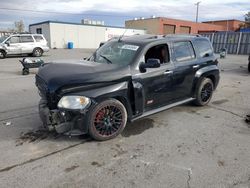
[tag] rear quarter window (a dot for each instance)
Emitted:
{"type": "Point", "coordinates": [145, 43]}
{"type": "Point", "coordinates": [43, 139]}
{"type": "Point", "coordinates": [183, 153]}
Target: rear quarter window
{"type": "Point", "coordinates": [39, 38]}
{"type": "Point", "coordinates": [203, 47]}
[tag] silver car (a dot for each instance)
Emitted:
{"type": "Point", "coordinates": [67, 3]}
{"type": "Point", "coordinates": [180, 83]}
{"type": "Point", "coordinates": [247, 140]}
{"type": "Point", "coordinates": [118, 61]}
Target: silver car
{"type": "Point", "coordinates": [33, 44]}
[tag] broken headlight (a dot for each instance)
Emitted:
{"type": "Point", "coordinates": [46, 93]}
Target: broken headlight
{"type": "Point", "coordinates": [74, 102]}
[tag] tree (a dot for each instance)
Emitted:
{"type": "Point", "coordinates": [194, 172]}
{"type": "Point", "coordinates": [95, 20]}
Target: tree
{"type": "Point", "coordinates": [247, 20]}
{"type": "Point", "coordinates": [19, 26]}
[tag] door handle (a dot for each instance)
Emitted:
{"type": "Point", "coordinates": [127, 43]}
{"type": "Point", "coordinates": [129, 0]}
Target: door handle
{"type": "Point", "coordinates": [196, 66]}
{"type": "Point", "coordinates": [168, 72]}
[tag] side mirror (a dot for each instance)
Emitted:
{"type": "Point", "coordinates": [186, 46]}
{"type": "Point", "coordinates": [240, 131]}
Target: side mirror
{"type": "Point", "coordinates": [7, 43]}
{"type": "Point", "coordinates": [151, 63]}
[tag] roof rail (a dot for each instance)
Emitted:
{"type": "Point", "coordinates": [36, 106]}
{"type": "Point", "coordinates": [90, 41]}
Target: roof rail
{"type": "Point", "coordinates": [181, 35]}
{"type": "Point", "coordinates": [21, 33]}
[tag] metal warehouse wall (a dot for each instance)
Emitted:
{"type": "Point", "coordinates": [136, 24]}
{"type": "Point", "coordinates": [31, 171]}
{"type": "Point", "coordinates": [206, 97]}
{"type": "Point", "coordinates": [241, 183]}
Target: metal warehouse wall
{"type": "Point", "coordinates": [83, 36]}
{"type": "Point", "coordinates": [234, 42]}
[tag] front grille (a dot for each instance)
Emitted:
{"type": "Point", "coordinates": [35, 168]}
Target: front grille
{"type": "Point", "coordinates": [51, 98]}
{"type": "Point", "coordinates": [42, 87]}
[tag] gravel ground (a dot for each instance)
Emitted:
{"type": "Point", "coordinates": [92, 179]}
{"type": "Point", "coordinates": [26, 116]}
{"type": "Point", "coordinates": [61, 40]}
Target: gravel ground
{"type": "Point", "coordinates": [185, 146]}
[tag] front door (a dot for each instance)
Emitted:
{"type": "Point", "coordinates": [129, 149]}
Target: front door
{"type": "Point", "coordinates": [13, 45]}
{"type": "Point", "coordinates": [157, 85]}
{"type": "Point", "coordinates": [157, 82]}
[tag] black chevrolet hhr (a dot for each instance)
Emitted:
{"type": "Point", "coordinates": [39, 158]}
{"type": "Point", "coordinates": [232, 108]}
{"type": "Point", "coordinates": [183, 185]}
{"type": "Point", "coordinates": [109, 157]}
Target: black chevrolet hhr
{"type": "Point", "coordinates": [124, 80]}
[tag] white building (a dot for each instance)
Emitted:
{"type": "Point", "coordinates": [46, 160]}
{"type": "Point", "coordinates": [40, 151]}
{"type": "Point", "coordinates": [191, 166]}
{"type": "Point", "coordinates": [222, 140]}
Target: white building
{"type": "Point", "coordinates": [58, 34]}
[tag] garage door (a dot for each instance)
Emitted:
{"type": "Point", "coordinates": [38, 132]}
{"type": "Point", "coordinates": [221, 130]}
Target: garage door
{"type": "Point", "coordinates": [168, 29]}
{"type": "Point", "coordinates": [185, 29]}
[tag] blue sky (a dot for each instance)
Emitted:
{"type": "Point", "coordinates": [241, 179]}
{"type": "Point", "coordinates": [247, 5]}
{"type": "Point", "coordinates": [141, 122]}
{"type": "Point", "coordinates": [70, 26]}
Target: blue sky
{"type": "Point", "coordinates": [115, 12]}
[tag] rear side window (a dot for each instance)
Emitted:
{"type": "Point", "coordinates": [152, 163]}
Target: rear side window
{"type": "Point", "coordinates": [26, 39]}
{"type": "Point", "coordinates": [204, 47]}
{"type": "Point", "coordinates": [183, 51]}
{"type": "Point", "coordinates": [38, 38]}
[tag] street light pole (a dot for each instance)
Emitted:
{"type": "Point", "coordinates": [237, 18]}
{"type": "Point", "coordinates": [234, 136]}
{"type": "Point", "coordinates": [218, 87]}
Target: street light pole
{"type": "Point", "coordinates": [197, 10]}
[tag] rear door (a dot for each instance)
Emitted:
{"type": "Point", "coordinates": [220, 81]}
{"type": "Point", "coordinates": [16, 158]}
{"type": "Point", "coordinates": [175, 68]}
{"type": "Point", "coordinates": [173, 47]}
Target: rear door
{"type": "Point", "coordinates": [204, 52]}
{"type": "Point", "coordinates": [27, 44]}
{"type": "Point", "coordinates": [186, 64]}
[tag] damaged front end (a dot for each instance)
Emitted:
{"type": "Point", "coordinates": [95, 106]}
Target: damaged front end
{"type": "Point", "coordinates": [65, 115]}
{"type": "Point", "coordinates": [62, 121]}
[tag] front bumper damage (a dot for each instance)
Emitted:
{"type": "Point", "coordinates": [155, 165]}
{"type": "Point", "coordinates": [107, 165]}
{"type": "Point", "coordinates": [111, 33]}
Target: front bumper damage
{"type": "Point", "coordinates": [63, 122]}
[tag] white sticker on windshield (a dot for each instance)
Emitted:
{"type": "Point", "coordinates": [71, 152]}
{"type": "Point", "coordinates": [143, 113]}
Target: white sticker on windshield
{"type": "Point", "coordinates": [130, 47]}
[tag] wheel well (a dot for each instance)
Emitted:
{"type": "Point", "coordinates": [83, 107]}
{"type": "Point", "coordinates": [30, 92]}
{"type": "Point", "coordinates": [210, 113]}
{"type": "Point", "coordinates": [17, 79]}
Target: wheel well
{"type": "Point", "coordinates": [3, 51]}
{"type": "Point", "coordinates": [212, 77]}
{"type": "Point", "coordinates": [37, 48]}
{"type": "Point", "coordinates": [124, 101]}
{"type": "Point", "coordinates": [196, 85]}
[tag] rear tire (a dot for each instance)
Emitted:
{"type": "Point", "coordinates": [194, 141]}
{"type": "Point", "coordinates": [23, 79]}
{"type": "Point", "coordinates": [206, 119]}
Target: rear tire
{"type": "Point", "coordinates": [204, 92]}
{"type": "Point", "coordinates": [106, 120]}
{"type": "Point", "coordinates": [2, 54]}
{"type": "Point", "coordinates": [37, 52]}
{"type": "Point", "coordinates": [249, 66]}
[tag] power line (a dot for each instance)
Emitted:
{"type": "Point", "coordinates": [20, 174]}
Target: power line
{"type": "Point", "coordinates": [53, 12]}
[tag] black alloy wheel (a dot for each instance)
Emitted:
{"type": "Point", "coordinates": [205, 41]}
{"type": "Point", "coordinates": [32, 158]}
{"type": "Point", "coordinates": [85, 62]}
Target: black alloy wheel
{"type": "Point", "coordinates": [107, 120]}
{"type": "Point", "coordinates": [204, 92]}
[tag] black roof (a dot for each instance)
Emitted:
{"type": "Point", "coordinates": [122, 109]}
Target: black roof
{"type": "Point", "coordinates": [145, 39]}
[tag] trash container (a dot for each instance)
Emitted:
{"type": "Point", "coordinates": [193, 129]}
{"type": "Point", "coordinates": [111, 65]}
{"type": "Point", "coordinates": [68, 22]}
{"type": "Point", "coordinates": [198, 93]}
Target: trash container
{"type": "Point", "coordinates": [70, 45]}
{"type": "Point", "coordinates": [223, 53]}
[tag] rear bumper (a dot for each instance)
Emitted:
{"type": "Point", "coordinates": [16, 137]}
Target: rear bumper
{"type": "Point", "coordinates": [45, 49]}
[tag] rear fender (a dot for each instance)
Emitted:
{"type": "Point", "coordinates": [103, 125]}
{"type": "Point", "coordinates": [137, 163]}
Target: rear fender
{"type": "Point", "coordinates": [211, 72]}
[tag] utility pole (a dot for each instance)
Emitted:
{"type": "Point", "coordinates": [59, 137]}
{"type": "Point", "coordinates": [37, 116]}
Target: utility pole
{"type": "Point", "coordinates": [197, 10]}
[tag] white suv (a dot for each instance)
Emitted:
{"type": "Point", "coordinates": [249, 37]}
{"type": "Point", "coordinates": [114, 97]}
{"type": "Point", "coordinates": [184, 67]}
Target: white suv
{"type": "Point", "coordinates": [33, 44]}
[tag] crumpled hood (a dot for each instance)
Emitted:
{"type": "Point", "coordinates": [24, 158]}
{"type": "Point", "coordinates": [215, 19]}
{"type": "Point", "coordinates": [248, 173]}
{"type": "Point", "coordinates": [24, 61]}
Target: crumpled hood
{"type": "Point", "coordinates": [59, 74]}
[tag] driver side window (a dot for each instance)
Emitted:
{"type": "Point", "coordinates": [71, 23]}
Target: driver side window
{"type": "Point", "coordinates": [160, 52]}
{"type": "Point", "coordinates": [14, 40]}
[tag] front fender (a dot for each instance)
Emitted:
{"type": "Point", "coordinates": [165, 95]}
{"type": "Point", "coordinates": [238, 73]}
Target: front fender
{"type": "Point", "coordinates": [119, 91]}
{"type": "Point", "coordinates": [3, 48]}
{"type": "Point", "coordinates": [106, 91]}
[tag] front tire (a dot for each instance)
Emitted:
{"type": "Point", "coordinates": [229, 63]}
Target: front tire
{"type": "Point", "coordinates": [204, 92]}
{"type": "Point", "coordinates": [2, 54]}
{"type": "Point", "coordinates": [37, 52]}
{"type": "Point", "coordinates": [249, 66]}
{"type": "Point", "coordinates": [107, 120]}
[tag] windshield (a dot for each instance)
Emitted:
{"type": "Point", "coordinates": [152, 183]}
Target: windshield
{"type": "Point", "coordinates": [115, 52]}
{"type": "Point", "coordinates": [3, 38]}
